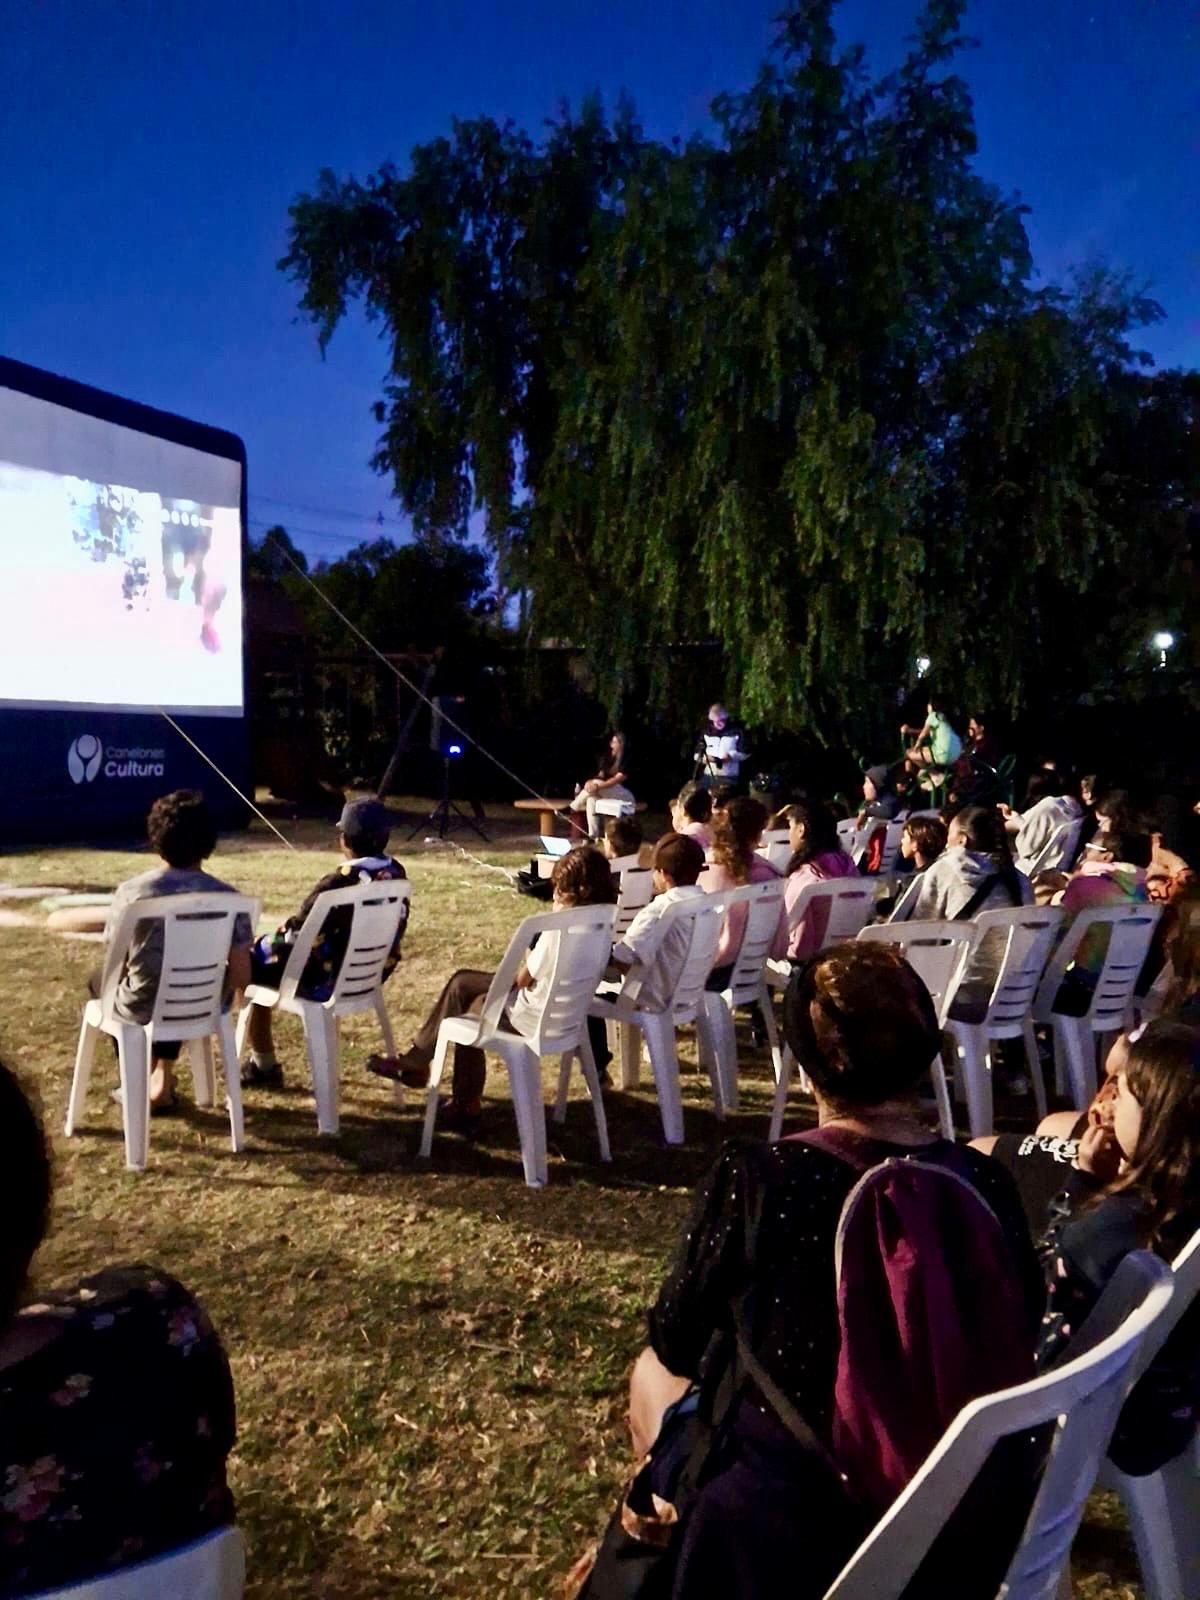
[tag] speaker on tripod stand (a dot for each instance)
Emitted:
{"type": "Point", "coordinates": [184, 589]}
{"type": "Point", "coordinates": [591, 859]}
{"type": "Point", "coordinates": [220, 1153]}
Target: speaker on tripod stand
{"type": "Point", "coordinates": [446, 816]}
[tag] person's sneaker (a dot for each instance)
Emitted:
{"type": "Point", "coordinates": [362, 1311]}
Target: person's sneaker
{"type": "Point", "coordinates": [455, 1118]}
{"type": "Point", "coordinates": [406, 1068]}
{"type": "Point", "coordinates": [262, 1072]}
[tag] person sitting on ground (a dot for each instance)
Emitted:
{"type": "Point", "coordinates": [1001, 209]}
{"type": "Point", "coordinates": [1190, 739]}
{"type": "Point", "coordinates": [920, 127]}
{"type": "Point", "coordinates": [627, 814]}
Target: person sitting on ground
{"type": "Point", "coordinates": [691, 813]}
{"type": "Point", "coordinates": [734, 860]}
{"type": "Point", "coordinates": [1135, 1185]}
{"type": "Point", "coordinates": [935, 747]}
{"type": "Point", "coordinates": [182, 832]}
{"type": "Point", "coordinates": [975, 873]}
{"type": "Point", "coordinates": [922, 842]}
{"type": "Point", "coordinates": [363, 831]}
{"type": "Point", "coordinates": [116, 1401]}
{"type": "Point", "coordinates": [864, 1026]}
{"type": "Point", "coordinates": [610, 783]}
{"type": "Point", "coordinates": [817, 856]}
{"type": "Point", "coordinates": [622, 846]}
{"type": "Point", "coordinates": [880, 800]}
{"type": "Point", "coordinates": [580, 878]}
{"type": "Point", "coordinates": [1049, 803]}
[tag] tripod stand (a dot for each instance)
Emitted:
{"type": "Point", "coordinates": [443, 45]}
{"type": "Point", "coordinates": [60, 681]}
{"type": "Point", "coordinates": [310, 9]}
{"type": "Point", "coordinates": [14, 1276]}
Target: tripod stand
{"type": "Point", "coordinates": [446, 816]}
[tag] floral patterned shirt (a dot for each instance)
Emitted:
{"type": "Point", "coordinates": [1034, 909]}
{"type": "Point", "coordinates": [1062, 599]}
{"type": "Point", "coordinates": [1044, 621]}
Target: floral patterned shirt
{"type": "Point", "coordinates": [114, 1434]}
{"type": "Point", "coordinates": [270, 954]}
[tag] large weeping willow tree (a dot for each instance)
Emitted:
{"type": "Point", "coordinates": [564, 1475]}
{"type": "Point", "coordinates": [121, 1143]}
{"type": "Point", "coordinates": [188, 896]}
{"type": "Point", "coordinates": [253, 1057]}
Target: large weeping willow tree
{"type": "Point", "coordinates": [788, 387]}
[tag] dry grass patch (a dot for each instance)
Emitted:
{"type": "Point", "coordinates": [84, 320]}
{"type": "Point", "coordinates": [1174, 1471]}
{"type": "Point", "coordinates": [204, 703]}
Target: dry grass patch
{"type": "Point", "coordinates": [429, 1360]}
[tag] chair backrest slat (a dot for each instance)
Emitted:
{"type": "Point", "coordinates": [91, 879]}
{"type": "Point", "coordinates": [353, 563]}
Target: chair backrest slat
{"type": "Point", "coordinates": [1131, 929]}
{"type": "Point", "coordinates": [764, 904]}
{"type": "Point", "coordinates": [375, 911]}
{"type": "Point", "coordinates": [938, 953]}
{"type": "Point", "coordinates": [635, 892]}
{"type": "Point", "coordinates": [1029, 933]}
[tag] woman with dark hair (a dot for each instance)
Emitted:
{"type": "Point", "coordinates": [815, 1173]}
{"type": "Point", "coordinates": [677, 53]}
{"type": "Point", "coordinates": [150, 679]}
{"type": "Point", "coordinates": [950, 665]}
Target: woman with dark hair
{"type": "Point", "coordinates": [1135, 1185]}
{"type": "Point", "coordinates": [116, 1402]}
{"type": "Point", "coordinates": [734, 860]}
{"type": "Point", "coordinates": [975, 873]}
{"type": "Point", "coordinates": [764, 1236]}
{"type": "Point", "coordinates": [610, 783]}
{"type": "Point", "coordinates": [817, 856]}
{"type": "Point", "coordinates": [691, 813]}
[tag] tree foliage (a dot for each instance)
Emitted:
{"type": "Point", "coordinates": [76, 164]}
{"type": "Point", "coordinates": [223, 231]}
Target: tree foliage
{"type": "Point", "coordinates": [789, 386]}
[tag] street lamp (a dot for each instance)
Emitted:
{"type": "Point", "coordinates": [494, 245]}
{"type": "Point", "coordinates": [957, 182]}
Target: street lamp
{"type": "Point", "coordinates": [1162, 642]}
{"type": "Point", "coordinates": [924, 664]}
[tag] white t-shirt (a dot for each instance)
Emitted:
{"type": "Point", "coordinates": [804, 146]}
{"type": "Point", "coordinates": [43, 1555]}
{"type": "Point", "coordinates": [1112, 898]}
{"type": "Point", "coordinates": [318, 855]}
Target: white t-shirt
{"type": "Point", "coordinates": [525, 1010]}
{"type": "Point", "coordinates": [657, 958]}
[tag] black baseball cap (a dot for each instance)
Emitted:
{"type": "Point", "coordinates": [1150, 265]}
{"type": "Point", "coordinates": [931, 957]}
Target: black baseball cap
{"type": "Point", "coordinates": [365, 816]}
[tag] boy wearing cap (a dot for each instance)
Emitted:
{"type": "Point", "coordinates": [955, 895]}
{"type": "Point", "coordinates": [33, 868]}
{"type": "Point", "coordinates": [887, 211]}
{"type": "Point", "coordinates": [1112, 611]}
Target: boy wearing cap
{"type": "Point", "coordinates": [363, 828]}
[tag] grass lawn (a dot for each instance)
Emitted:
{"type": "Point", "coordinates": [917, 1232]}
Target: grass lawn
{"type": "Point", "coordinates": [430, 1359]}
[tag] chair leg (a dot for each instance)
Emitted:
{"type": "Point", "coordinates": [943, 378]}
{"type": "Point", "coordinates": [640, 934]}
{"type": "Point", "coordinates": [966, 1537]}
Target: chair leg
{"type": "Point", "coordinates": [781, 1095]}
{"type": "Point", "coordinates": [976, 1064]}
{"type": "Point", "coordinates": [664, 1063]}
{"type": "Point", "coordinates": [706, 1049]}
{"type": "Point", "coordinates": [631, 1056]}
{"type": "Point", "coordinates": [941, 1094]}
{"type": "Point", "coordinates": [243, 1024]}
{"type": "Point", "coordinates": [385, 1023]}
{"type": "Point", "coordinates": [321, 1042]}
{"type": "Point", "coordinates": [85, 1054]}
{"type": "Point", "coordinates": [1034, 1061]}
{"type": "Point", "coordinates": [564, 1085]}
{"type": "Point", "coordinates": [725, 1033]}
{"type": "Point", "coordinates": [1079, 1054]}
{"type": "Point", "coordinates": [133, 1052]}
{"type": "Point", "coordinates": [525, 1077]}
{"type": "Point", "coordinates": [772, 1027]}
{"type": "Point", "coordinates": [233, 1084]}
{"type": "Point", "coordinates": [436, 1068]}
{"type": "Point", "coordinates": [591, 1077]}
{"type": "Point", "coordinates": [204, 1071]}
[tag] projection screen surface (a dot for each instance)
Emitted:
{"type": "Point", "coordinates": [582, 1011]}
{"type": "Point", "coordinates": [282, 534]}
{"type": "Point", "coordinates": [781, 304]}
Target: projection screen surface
{"type": "Point", "coordinates": [120, 567]}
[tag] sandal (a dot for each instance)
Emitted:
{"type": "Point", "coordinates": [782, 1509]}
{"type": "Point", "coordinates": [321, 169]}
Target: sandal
{"type": "Point", "coordinates": [400, 1069]}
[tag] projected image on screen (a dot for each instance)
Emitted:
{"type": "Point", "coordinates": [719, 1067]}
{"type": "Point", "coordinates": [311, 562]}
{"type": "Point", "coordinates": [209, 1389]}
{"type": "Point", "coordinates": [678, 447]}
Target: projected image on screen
{"type": "Point", "coordinates": [119, 587]}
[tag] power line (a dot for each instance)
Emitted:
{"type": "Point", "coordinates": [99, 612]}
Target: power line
{"type": "Point", "coordinates": [345, 513]}
{"type": "Point", "coordinates": [314, 533]}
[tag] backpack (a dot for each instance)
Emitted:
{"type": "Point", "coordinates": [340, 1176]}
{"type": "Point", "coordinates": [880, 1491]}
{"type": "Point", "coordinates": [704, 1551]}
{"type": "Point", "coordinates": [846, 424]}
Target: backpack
{"type": "Point", "coordinates": [931, 1312]}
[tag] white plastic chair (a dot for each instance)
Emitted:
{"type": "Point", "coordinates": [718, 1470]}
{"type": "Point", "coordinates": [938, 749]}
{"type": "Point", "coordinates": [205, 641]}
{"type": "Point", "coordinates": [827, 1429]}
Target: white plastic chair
{"type": "Point", "coordinates": [1080, 1400]}
{"type": "Point", "coordinates": [212, 1568]}
{"type": "Point", "coordinates": [1110, 1007]}
{"type": "Point", "coordinates": [776, 852]}
{"type": "Point", "coordinates": [658, 1028]}
{"type": "Point", "coordinates": [891, 849]}
{"type": "Point", "coordinates": [1029, 932]}
{"type": "Point", "coordinates": [634, 892]}
{"type": "Point", "coordinates": [850, 902]}
{"type": "Point", "coordinates": [197, 935]}
{"type": "Point", "coordinates": [747, 984]}
{"type": "Point", "coordinates": [584, 944]}
{"type": "Point", "coordinates": [1164, 1506]}
{"type": "Point", "coordinates": [1059, 851]}
{"type": "Point", "coordinates": [376, 909]}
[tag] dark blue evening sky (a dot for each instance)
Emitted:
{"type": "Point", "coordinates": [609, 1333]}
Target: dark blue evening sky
{"type": "Point", "coordinates": [149, 150]}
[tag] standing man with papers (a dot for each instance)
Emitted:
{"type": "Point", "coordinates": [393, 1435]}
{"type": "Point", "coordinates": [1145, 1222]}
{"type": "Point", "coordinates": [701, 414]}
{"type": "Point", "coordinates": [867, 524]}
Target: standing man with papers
{"type": "Point", "coordinates": [719, 753]}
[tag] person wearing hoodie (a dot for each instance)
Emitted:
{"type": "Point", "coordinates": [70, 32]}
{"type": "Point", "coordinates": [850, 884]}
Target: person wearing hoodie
{"type": "Point", "coordinates": [1049, 804]}
{"type": "Point", "coordinates": [975, 873]}
{"type": "Point", "coordinates": [880, 800]}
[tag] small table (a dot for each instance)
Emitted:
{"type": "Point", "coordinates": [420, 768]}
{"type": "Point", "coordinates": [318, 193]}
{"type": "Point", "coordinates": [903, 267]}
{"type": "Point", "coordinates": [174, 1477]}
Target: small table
{"type": "Point", "coordinates": [545, 810]}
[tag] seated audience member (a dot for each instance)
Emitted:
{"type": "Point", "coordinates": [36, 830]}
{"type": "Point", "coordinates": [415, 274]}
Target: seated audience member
{"type": "Point", "coordinates": [610, 783]}
{"type": "Point", "coordinates": [733, 861]}
{"type": "Point", "coordinates": [982, 745]}
{"type": "Point", "coordinates": [363, 835]}
{"type": "Point", "coordinates": [921, 843]}
{"type": "Point", "coordinates": [936, 746]}
{"type": "Point", "coordinates": [649, 965]}
{"type": "Point", "coordinates": [975, 873]}
{"type": "Point", "coordinates": [817, 856]}
{"type": "Point", "coordinates": [116, 1402]}
{"type": "Point", "coordinates": [1049, 803]}
{"type": "Point", "coordinates": [580, 878]}
{"type": "Point", "coordinates": [721, 794]}
{"type": "Point", "coordinates": [622, 845]}
{"type": "Point", "coordinates": [1135, 1184]}
{"type": "Point", "coordinates": [691, 813]}
{"type": "Point", "coordinates": [880, 800]}
{"type": "Point", "coordinates": [864, 1026]}
{"type": "Point", "coordinates": [181, 830]}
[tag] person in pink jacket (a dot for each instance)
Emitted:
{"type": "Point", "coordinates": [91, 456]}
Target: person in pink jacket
{"type": "Point", "coordinates": [733, 861]}
{"type": "Point", "coordinates": [817, 856]}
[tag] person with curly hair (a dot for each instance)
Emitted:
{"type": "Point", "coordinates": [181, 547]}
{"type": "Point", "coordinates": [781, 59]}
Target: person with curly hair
{"type": "Point", "coordinates": [580, 878]}
{"type": "Point", "coordinates": [182, 832]}
{"type": "Point", "coordinates": [733, 861]}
